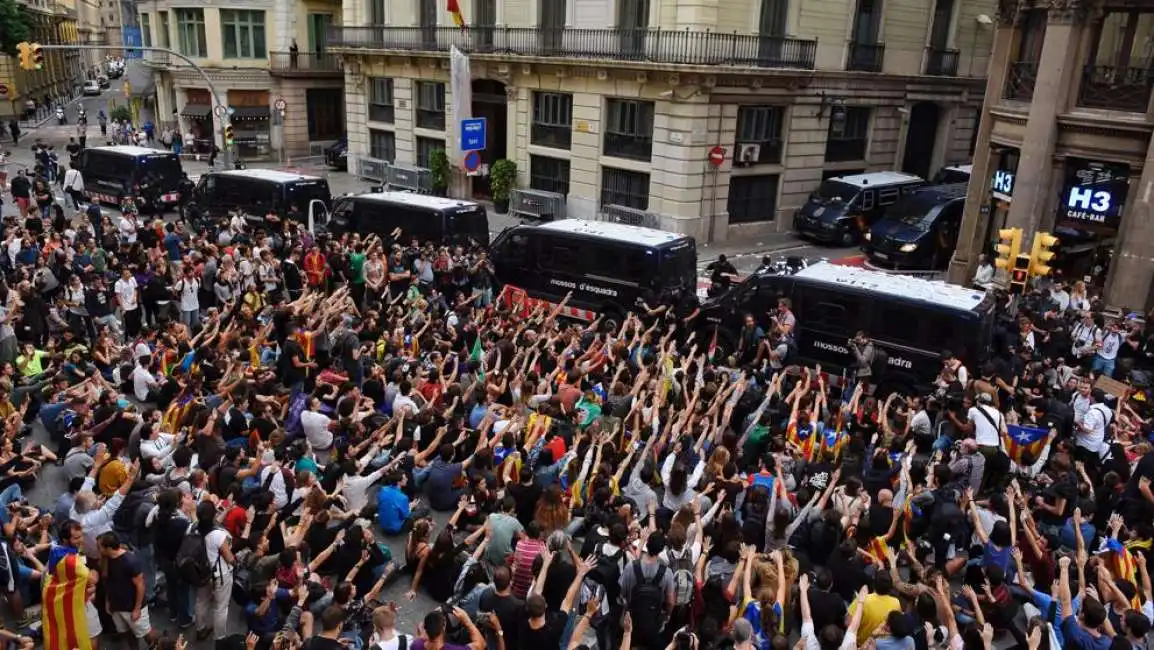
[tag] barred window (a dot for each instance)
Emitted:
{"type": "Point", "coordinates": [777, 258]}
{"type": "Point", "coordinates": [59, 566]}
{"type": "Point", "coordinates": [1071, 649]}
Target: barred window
{"type": "Point", "coordinates": [381, 107]}
{"type": "Point", "coordinates": [552, 120]}
{"type": "Point", "coordinates": [848, 138]}
{"type": "Point", "coordinates": [431, 105]}
{"type": "Point", "coordinates": [752, 198]}
{"type": "Point", "coordinates": [382, 145]}
{"type": "Point", "coordinates": [549, 174]}
{"type": "Point", "coordinates": [761, 125]}
{"type": "Point", "coordinates": [629, 129]}
{"type": "Point", "coordinates": [623, 187]}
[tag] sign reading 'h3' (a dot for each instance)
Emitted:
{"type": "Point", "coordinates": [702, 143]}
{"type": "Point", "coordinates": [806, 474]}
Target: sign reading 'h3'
{"type": "Point", "coordinates": [473, 134]}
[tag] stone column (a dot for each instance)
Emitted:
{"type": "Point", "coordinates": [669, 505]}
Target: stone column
{"type": "Point", "coordinates": [1056, 69]}
{"type": "Point", "coordinates": [973, 226]}
{"type": "Point", "coordinates": [1132, 269]}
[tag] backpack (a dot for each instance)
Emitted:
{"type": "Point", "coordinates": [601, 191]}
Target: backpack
{"type": "Point", "coordinates": [607, 573]}
{"type": "Point", "coordinates": [682, 577]}
{"type": "Point", "coordinates": [647, 602]}
{"type": "Point", "coordinates": [192, 559]}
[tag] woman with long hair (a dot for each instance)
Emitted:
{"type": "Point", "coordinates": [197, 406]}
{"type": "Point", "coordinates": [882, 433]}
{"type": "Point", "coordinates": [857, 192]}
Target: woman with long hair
{"type": "Point", "coordinates": [551, 513]}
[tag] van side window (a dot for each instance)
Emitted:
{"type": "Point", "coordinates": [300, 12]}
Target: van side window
{"type": "Point", "coordinates": [828, 312]}
{"type": "Point", "coordinates": [893, 323]}
{"type": "Point", "coordinates": [888, 196]}
{"type": "Point", "coordinates": [619, 262]}
{"type": "Point", "coordinates": [517, 249]}
{"type": "Point", "coordinates": [559, 256]}
{"type": "Point", "coordinates": [343, 210]}
{"type": "Point", "coordinates": [867, 199]}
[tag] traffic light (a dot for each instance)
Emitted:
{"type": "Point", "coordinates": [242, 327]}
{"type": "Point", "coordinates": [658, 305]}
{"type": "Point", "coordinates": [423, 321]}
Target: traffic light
{"type": "Point", "coordinates": [228, 135]}
{"type": "Point", "coordinates": [25, 50]}
{"type": "Point", "coordinates": [1008, 248]}
{"type": "Point", "coordinates": [1020, 274]}
{"type": "Point", "coordinates": [1041, 253]}
{"type": "Point", "coordinates": [37, 56]}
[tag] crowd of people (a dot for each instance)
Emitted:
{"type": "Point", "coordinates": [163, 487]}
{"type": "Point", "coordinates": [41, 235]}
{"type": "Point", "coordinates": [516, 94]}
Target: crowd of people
{"type": "Point", "coordinates": [245, 415]}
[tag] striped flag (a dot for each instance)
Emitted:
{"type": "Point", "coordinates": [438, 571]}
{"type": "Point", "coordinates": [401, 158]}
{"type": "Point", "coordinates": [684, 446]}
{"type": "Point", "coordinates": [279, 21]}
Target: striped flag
{"type": "Point", "coordinates": [804, 437]}
{"type": "Point", "coordinates": [175, 414]}
{"type": "Point", "coordinates": [167, 360]}
{"type": "Point", "coordinates": [1022, 440]}
{"type": "Point", "coordinates": [455, 10]}
{"type": "Point", "coordinates": [878, 549]}
{"type": "Point", "coordinates": [63, 616]}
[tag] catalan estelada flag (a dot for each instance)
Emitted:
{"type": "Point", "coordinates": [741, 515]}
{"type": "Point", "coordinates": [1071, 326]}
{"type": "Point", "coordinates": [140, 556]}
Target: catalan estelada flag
{"type": "Point", "coordinates": [174, 416]}
{"type": "Point", "coordinates": [455, 11]}
{"type": "Point", "coordinates": [806, 438]}
{"type": "Point", "coordinates": [1021, 440]}
{"type": "Point", "coordinates": [167, 360]}
{"type": "Point", "coordinates": [879, 550]}
{"type": "Point", "coordinates": [65, 625]}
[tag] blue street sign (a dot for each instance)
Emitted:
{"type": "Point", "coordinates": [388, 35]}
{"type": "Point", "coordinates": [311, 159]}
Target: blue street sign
{"type": "Point", "coordinates": [473, 134]}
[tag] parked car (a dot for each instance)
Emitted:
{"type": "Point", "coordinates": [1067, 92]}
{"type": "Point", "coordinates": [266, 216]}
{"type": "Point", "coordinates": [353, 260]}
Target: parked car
{"type": "Point", "coordinates": [103, 81]}
{"type": "Point", "coordinates": [337, 154]}
{"type": "Point", "coordinates": [92, 87]}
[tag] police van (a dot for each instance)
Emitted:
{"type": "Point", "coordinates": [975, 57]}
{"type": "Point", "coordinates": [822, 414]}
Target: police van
{"type": "Point", "coordinates": [911, 319]}
{"type": "Point", "coordinates": [920, 232]}
{"type": "Point", "coordinates": [609, 267]}
{"type": "Point", "coordinates": [843, 208]}
{"type": "Point", "coordinates": [257, 192]}
{"type": "Point", "coordinates": [953, 174]}
{"type": "Point", "coordinates": [151, 177]}
{"type": "Point", "coordinates": [418, 216]}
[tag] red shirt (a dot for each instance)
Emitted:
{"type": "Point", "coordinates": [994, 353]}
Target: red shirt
{"type": "Point", "coordinates": [235, 520]}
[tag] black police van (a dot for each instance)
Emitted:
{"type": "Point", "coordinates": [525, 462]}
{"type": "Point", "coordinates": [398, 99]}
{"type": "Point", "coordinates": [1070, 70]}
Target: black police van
{"type": "Point", "coordinates": [151, 177]}
{"type": "Point", "coordinates": [953, 174]}
{"type": "Point", "coordinates": [842, 208]}
{"type": "Point", "coordinates": [419, 216]}
{"type": "Point", "coordinates": [609, 267]}
{"type": "Point", "coordinates": [911, 319]}
{"type": "Point", "coordinates": [256, 192]}
{"type": "Point", "coordinates": [919, 232]}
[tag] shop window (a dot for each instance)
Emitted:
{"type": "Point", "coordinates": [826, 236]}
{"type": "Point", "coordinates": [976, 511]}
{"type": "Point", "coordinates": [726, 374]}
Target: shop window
{"type": "Point", "coordinates": [752, 198]}
{"type": "Point", "coordinates": [242, 34]}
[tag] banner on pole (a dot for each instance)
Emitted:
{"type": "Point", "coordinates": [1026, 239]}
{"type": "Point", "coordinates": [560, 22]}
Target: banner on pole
{"type": "Point", "coordinates": [461, 102]}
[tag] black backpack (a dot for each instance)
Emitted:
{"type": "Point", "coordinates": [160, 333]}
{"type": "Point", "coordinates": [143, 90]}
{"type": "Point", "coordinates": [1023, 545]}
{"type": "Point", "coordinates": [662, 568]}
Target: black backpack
{"type": "Point", "coordinates": [192, 559]}
{"type": "Point", "coordinates": [647, 603]}
{"type": "Point", "coordinates": [607, 573]}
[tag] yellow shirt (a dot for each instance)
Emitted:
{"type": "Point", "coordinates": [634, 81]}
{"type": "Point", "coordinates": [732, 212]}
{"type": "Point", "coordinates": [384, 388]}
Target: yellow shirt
{"type": "Point", "coordinates": [876, 609]}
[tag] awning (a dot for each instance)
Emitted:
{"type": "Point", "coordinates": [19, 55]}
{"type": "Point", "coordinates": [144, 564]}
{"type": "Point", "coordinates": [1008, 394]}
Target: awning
{"type": "Point", "coordinates": [196, 111]}
{"type": "Point", "coordinates": [250, 113]}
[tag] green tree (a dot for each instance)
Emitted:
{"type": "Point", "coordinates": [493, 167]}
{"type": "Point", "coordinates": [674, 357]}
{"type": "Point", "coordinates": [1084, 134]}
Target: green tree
{"type": "Point", "coordinates": [15, 26]}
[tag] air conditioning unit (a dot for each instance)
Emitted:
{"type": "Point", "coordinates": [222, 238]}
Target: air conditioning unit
{"type": "Point", "coordinates": [747, 154]}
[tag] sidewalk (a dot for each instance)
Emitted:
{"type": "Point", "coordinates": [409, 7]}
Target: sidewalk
{"type": "Point", "coordinates": [45, 114]}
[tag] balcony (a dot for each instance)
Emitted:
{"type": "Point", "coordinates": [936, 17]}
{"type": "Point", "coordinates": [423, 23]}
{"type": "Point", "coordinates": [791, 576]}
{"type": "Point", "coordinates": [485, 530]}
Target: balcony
{"type": "Point", "coordinates": [305, 64]}
{"type": "Point", "coordinates": [640, 45]}
{"type": "Point", "coordinates": [866, 57]}
{"type": "Point", "coordinates": [1020, 80]}
{"type": "Point", "coordinates": [941, 63]}
{"type": "Point", "coordinates": [1120, 89]}
{"type": "Point", "coordinates": [156, 60]}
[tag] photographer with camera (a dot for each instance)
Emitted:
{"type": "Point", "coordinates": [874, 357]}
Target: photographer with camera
{"type": "Point", "coordinates": [865, 354]}
{"type": "Point", "coordinates": [432, 632]}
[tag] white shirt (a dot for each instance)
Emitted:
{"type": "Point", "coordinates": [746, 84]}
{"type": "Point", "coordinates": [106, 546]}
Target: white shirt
{"type": "Point", "coordinates": [161, 448]}
{"type": "Point", "coordinates": [405, 402]}
{"type": "Point", "coordinates": [213, 542]}
{"type": "Point", "coordinates": [280, 497]}
{"type": "Point", "coordinates": [127, 229]}
{"type": "Point", "coordinates": [1110, 342]}
{"type": "Point", "coordinates": [316, 428]}
{"type": "Point", "coordinates": [985, 433]}
{"type": "Point", "coordinates": [142, 380]}
{"type": "Point", "coordinates": [126, 293]}
{"type": "Point", "coordinates": [356, 489]}
{"type": "Point", "coordinates": [188, 288]}
{"type": "Point", "coordinates": [73, 180]}
{"type": "Point", "coordinates": [1093, 431]}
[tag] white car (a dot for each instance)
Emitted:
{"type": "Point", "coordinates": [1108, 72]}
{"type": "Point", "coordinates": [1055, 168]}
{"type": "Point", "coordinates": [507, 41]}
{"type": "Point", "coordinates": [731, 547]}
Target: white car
{"type": "Point", "coordinates": [92, 87]}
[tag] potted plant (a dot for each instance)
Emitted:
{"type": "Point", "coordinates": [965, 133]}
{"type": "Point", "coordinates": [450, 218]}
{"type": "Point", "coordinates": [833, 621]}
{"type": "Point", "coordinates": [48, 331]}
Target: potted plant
{"type": "Point", "coordinates": [439, 168]}
{"type": "Point", "coordinates": [502, 179]}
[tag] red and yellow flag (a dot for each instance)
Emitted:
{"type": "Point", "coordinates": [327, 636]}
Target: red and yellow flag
{"type": "Point", "coordinates": [64, 598]}
{"type": "Point", "coordinates": [455, 10]}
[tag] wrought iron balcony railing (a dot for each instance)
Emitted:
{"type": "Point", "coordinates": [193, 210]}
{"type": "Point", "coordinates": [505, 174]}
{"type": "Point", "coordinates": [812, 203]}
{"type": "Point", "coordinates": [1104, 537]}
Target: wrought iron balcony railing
{"type": "Point", "coordinates": [305, 63]}
{"type": "Point", "coordinates": [866, 57]}
{"type": "Point", "coordinates": [942, 63]}
{"type": "Point", "coordinates": [1122, 89]}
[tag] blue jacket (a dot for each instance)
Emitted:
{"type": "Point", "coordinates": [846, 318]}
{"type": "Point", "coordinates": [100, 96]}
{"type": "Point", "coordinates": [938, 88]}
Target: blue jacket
{"type": "Point", "coordinates": [392, 509]}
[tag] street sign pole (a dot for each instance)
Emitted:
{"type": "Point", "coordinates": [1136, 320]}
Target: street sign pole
{"type": "Point", "coordinates": [211, 88]}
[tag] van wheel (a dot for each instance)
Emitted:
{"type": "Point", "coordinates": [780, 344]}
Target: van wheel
{"type": "Point", "coordinates": [848, 239]}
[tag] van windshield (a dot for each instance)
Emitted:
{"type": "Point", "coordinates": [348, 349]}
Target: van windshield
{"type": "Point", "coordinates": [836, 191]}
{"type": "Point", "coordinates": [162, 168]}
{"type": "Point", "coordinates": [679, 266]}
{"type": "Point", "coordinates": [300, 193]}
{"type": "Point", "coordinates": [916, 210]}
{"type": "Point", "coordinates": [471, 222]}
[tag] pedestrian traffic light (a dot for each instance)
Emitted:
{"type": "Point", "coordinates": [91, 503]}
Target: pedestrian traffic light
{"type": "Point", "coordinates": [228, 135]}
{"type": "Point", "coordinates": [1020, 274]}
{"type": "Point", "coordinates": [1041, 254]}
{"type": "Point", "coordinates": [25, 50]}
{"type": "Point", "coordinates": [1008, 248]}
{"type": "Point", "coordinates": [37, 56]}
